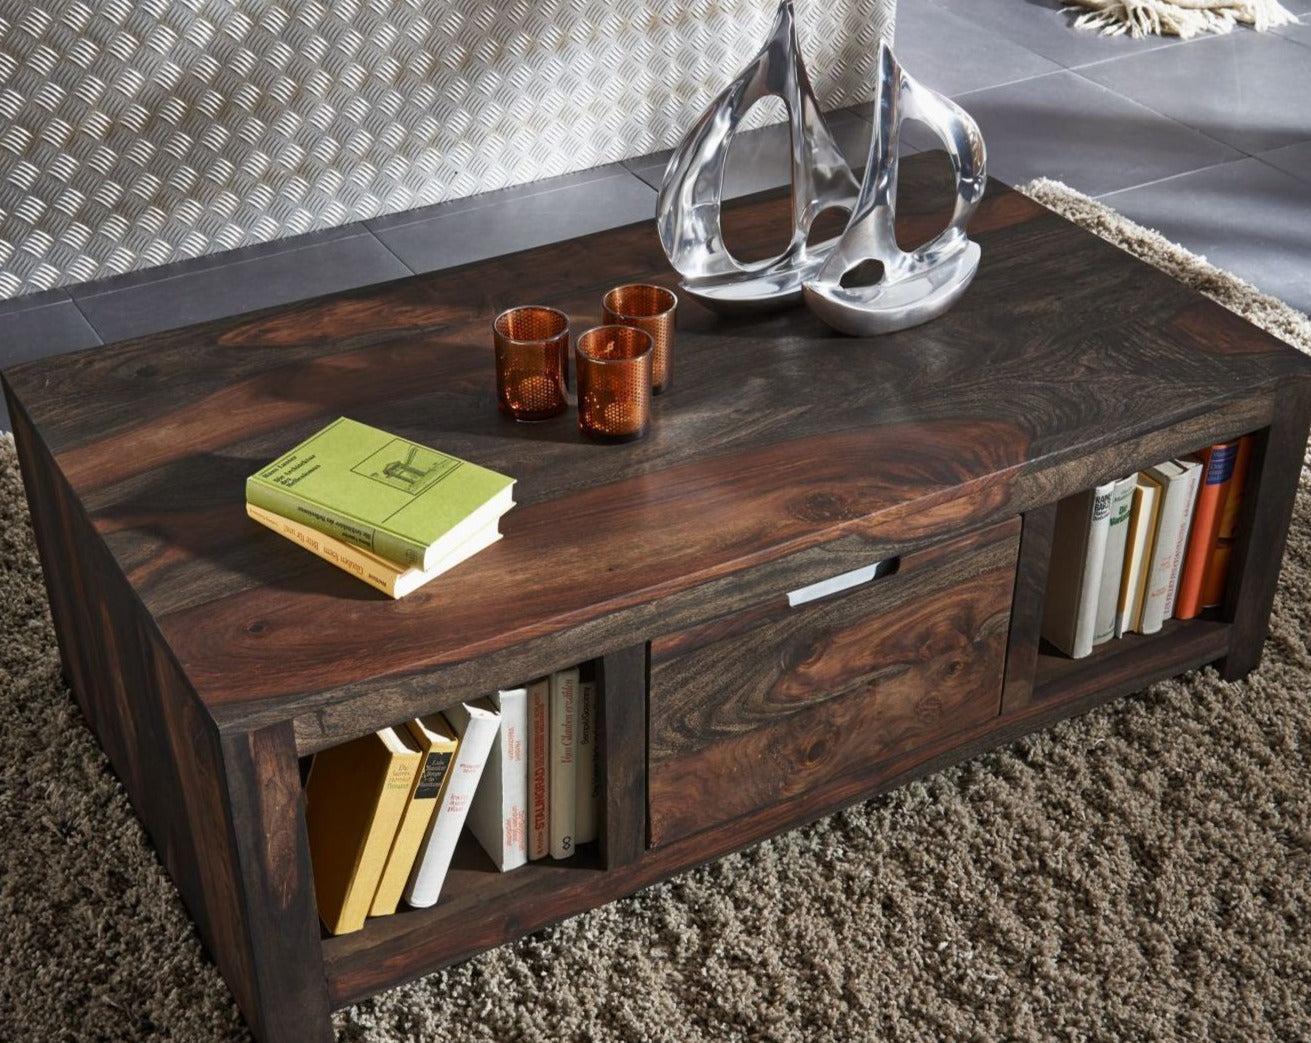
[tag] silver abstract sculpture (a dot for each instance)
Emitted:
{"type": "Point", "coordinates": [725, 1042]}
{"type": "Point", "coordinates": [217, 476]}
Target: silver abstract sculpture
{"type": "Point", "coordinates": [688, 209]}
{"type": "Point", "coordinates": [921, 284]}
{"type": "Point", "coordinates": [915, 286]}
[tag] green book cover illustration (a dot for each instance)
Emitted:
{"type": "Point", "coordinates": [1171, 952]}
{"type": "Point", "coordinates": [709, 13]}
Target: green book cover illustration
{"type": "Point", "coordinates": [401, 500]}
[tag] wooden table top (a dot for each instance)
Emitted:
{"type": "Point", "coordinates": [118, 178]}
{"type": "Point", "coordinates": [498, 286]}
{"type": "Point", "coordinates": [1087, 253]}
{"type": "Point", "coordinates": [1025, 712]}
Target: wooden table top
{"type": "Point", "coordinates": [778, 436]}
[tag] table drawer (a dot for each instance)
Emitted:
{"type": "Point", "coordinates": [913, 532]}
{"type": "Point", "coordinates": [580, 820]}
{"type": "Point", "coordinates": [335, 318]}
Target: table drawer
{"type": "Point", "coordinates": [799, 708]}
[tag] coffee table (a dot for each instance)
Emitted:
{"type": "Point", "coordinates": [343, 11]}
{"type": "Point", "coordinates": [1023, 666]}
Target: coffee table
{"type": "Point", "coordinates": [211, 657]}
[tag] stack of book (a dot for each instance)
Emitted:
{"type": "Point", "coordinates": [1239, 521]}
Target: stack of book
{"type": "Point", "coordinates": [1134, 552]}
{"type": "Point", "coordinates": [389, 511]}
{"type": "Point", "coordinates": [385, 812]}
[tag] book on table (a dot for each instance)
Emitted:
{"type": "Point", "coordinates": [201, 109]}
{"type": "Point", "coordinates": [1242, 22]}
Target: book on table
{"type": "Point", "coordinates": [1217, 568]}
{"type": "Point", "coordinates": [563, 774]}
{"type": "Point", "coordinates": [476, 723]}
{"type": "Point", "coordinates": [1137, 553]}
{"type": "Point", "coordinates": [1078, 552]}
{"type": "Point", "coordinates": [355, 797]}
{"type": "Point", "coordinates": [587, 760]}
{"type": "Point", "coordinates": [1108, 589]}
{"type": "Point", "coordinates": [1178, 480]}
{"type": "Point", "coordinates": [405, 502]}
{"type": "Point", "coordinates": [1217, 476]}
{"type": "Point", "coordinates": [393, 580]}
{"type": "Point", "coordinates": [498, 817]}
{"type": "Point", "coordinates": [539, 768]}
{"type": "Point", "coordinates": [437, 743]}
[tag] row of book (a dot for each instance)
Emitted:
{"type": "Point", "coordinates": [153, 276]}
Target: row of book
{"type": "Point", "coordinates": [518, 768]}
{"type": "Point", "coordinates": [1132, 553]}
{"type": "Point", "coordinates": [391, 512]}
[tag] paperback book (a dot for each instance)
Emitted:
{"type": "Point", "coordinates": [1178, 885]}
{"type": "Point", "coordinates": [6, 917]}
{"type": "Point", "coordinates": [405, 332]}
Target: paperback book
{"type": "Point", "coordinates": [562, 788]}
{"type": "Point", "coordinates": [437, 742]}
{"type": "Point", "coordinates": [498, 817]}
{"type": "Point", "coordinates": [405, 502]}
{"type": "Point", "coordinates": [476, 725]}
{"type": "Point", "coordinates": [354, 800]}
{"type": "Point", "coordinates": [381, 574]}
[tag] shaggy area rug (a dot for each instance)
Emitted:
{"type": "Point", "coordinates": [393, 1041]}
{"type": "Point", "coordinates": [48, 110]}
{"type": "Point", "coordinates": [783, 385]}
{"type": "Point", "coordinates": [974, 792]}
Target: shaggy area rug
{"type": "Point", "coordinates": [1183, 18]}
{"type": "Point", "coordinates": [1141, 872]}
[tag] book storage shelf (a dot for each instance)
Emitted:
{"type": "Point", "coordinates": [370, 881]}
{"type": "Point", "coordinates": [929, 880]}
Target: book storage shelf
{"type": "Point", "coordinates": [1124, 663]}
{"type": "Point", "coordinates": [210, 658]}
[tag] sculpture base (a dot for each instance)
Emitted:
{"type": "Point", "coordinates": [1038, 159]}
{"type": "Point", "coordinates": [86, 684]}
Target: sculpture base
{"type": "Point", "coordinates": [893, 305]}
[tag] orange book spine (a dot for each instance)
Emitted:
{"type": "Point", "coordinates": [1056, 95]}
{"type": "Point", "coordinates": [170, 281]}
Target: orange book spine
{"type": "Point", "coordinates": [1218, 461]}
{"type": "Point", "coordinates": [1217, 566]}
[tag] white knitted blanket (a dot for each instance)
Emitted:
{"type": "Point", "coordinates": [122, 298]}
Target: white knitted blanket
{"type": "Point", "coordinates": [1182, 18]}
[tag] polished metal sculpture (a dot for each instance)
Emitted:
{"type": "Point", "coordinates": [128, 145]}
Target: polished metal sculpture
{"type": "Point", "coordinates": [923, 283]}
{"type": "Point", "coordinates": [688, 209]}
{"type": "Point", "coordinates": [914, 286]}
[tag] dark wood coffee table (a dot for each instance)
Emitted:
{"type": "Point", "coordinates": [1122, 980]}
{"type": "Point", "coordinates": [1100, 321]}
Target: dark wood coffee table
{"type": "Point", "coordinates": [210, 656]}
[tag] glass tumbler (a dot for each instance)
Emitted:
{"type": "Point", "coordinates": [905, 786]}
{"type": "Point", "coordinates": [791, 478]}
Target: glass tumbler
{"type": "Point", "coordinates": [532, 362]}
{"type": "Point", "coordinates": [652, 309]}
{"type": "Point", "coordinates": [614, 383]}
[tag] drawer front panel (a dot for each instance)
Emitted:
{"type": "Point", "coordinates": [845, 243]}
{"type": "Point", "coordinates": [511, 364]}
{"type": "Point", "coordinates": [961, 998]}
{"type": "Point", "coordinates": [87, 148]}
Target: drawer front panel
{"type": "Point", "coordinates": [799, 707]}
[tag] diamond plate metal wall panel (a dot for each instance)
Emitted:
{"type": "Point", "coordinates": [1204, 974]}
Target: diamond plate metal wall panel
{"type": "Point", "coordinates": [136, 132]}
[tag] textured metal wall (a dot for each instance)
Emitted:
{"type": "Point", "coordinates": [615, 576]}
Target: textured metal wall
{"type": "Point", "coordinates": [135, 132]}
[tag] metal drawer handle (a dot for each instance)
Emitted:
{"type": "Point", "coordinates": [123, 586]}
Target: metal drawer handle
{"type": "Point", "coordinates": [843, 581]}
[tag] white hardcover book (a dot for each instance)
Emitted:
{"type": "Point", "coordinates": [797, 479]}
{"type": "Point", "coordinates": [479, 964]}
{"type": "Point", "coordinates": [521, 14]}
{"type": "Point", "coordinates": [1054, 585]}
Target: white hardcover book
{"type": "Point", "coordinates": [498, 817]}
{"type": "Point", "coordinates": [586, 754]}
{"type": "Point", "coordinates": [1078, 553]}
{"type": "Point", "coordinates": [1138, 553]}
{"type": "Point", "coordinates": [564, 773]}
{"type": "Point", "coordinates": [539, 768]}
{"type": "Point", "coordinates": [1192, 484]}
{"type": "Point", "coordinates": [1172, 477]}
{"type": "Point", "coordinates": [1117, 534]}
{"type": "Point", "coordinates": [476, 724]}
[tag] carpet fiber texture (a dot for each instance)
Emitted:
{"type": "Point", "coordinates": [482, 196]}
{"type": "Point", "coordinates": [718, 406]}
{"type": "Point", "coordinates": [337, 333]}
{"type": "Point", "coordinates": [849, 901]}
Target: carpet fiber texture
{"type": "Point", "coordinates": [1141, 872]}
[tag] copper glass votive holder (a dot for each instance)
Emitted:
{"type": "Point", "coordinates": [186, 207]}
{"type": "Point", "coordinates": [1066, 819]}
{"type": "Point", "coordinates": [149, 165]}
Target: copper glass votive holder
{"type": "Point", "coordinates": [614, 383]}
{"type": "Point", "coordinates": [649, 308]}
{"type": "Point", "coordinates": [532, 362]}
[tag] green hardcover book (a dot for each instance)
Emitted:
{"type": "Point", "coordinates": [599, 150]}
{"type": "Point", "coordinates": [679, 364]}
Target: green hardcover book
{"type": "Point", "coordinates": [405, 502]}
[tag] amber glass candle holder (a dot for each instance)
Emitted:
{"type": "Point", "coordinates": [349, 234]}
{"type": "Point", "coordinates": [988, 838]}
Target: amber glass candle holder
{"type": "Point", "coordinates": [614, 383]}
{"type": "Point", "coordinates": [532, 362]}
{"type": "Point", "coordinates": [652, 309]}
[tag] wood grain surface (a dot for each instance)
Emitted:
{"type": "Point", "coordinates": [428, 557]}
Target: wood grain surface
{"type": "Point", "coordinates": [767, 711]}
{"type": "Point", "coordinates": [255, 910]}
{"type": "Point", "coordinates": [208, 653]}
{"type": "Point", "coordinates": [778, 436]}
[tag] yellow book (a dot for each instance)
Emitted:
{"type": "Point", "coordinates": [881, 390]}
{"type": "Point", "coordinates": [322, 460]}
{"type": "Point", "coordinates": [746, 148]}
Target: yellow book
{"type": "Point", "coordinates": [354, 799]}
{"type": "Point", "coordinates": [1139, 545]}
{"type": "Point", "coordinates": [391, 579]}
{"type": "Point", "coordinates": [437, 740]}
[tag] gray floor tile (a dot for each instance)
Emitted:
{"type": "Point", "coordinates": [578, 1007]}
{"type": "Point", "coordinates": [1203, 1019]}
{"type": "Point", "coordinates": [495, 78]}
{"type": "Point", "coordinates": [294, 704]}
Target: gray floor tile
{"type": "Point", "coordinates": [1243, 216]}
{"type": "Point", "coordinates": [1247, 89]}
{"type": "Point", "coordinates": [1301, 31]}
{"type": "Point", "coordinates": [520, 221]}
{"type": "Point", "coordinates": [1044, 28]}
{"type": "Point", "coordinates": [220, 259]}
{"type": "Point", "coordinates": [954, 55]}
{"type": "Point", "coordinates": [39, 299]}
{"type": "Point", "coordinates": [35, 333]}
{"type": "Point", "coordinates": [498, 197]}
{"type": "Point", "coordinates": [1292, 159]}
{"type": "Point", "coordinates": [1065, 127]}
{"type": "Point", "coordinates": [172, 300]}
{"type": "Point", "coordinates": [758, 159]}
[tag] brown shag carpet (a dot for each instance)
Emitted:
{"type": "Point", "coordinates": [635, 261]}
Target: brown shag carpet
{"type": "Point", "coordinates": [1142, 872]}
